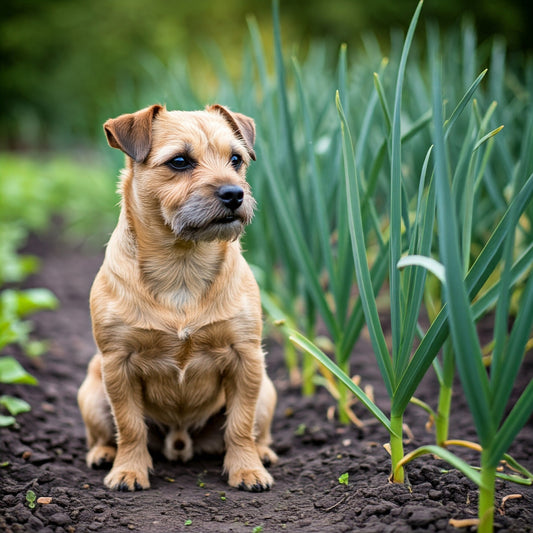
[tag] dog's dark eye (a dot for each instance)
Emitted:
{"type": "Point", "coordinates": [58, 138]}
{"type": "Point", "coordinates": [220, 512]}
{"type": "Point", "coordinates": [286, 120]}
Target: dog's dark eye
{"type": "Point", "coordinates": [180, 162]}
{"type": "Point", "coordinates": [236, 161]}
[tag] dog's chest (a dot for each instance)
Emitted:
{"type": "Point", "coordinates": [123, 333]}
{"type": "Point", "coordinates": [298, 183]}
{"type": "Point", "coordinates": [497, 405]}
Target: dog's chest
{"type": "Point", "coordinates": [181, 377]}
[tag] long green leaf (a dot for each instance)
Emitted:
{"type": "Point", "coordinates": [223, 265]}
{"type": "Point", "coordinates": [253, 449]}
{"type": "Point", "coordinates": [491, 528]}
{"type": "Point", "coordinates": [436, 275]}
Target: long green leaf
{"type": "Point", "coordinates": [398, 362]}
{"type": "Point", "coordinates": [417, 126]}
{"type": "Point", "coordinates": [438, 332]}
{"type": "Point", "coordinates": [449, 457]}
{"type": "Point", "coordinates": [492, 251]}
{"type": "Point", "coordinates": [488, 136]}
{"type": "Point", "coordinates": [344, 263]}
{"type": "Point", "coordinates": [514, 422]}
{"type": "Point", "coordinates": [505, 370]}
{"type": "Point", "coordinates": [287, 143]}
{"type": "Point", "coordinates": [413, 287]}
{"type": "Point", "coordinates": [517, 467]}
{"type": "Point", "coordinates": [502, 317]}
{"type": "Point", "coordinates": [462, 327]}
{"type": "Point", "coordinates": [426, 262]}
{"type": "Point", "coordinates": [357, 235]}
{"type": "Point", "coordinates": [362, 148]}
{"type": "Point", "coordinates": [321, 222]}
{"type": "Point", "coordinates": [462, 104]}
{"type": "Point", "coordinates": [310, 348]}
{"type": "Point", "coordinates": [489, 297]}
{"type": "Point", "coordinates": [383, 101]}
{"type": "Point", "coordinates": [356, 321]}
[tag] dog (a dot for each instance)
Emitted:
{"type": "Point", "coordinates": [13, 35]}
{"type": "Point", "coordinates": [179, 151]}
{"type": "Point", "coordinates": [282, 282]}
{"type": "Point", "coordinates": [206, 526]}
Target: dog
{"type": "Point", "coordinates": [175, 308]}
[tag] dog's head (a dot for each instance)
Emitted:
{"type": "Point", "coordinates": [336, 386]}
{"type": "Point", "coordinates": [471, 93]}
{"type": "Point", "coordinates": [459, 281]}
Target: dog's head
{"type": "Point", "coordinates": [189, 169]}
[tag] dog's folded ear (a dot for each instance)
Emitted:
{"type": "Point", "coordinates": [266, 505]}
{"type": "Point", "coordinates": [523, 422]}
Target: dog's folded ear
{"type": "Point", "coordinates": [242, 126]}
{"type": "Point", "coordinates": [132, 133]}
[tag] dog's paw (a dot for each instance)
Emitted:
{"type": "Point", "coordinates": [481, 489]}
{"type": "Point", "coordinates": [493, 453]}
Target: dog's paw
{"type": "Point", "coordinates": [256, 480]}
{"type": "Point", "coordinates": [126, 480]}
{"type": "Point", "coordinates": [268, 457]}
{"type": "Point", "coordinates": [101, 456]}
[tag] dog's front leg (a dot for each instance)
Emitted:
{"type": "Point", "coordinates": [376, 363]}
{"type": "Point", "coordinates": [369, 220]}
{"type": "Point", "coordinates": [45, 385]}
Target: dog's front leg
{"type": "Point", "coordinates": [242, 385]}
{"type": "Point", "coordinates": [133, 461]}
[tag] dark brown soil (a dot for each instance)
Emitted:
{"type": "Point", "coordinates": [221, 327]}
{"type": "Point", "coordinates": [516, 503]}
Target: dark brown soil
{"type": "Point", "coordinates": [45, 453]}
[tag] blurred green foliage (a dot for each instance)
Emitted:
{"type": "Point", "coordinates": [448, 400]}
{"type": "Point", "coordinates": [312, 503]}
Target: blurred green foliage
{"type": "Point", "coordinates": [33, 193]}
{"type": "Point", "coordinates": [67, 66]}
{"type": "Point", "coordinates": [15, 305]}
{"type": "Point", "coordinates": [80, 191]}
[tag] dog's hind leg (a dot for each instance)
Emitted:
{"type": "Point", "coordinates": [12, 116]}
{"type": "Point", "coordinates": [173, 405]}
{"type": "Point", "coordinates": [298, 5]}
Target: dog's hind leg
{"type": "Point", "coordinates": [264, 413]}
{"type": "Point", "coordinates": [96, 414]}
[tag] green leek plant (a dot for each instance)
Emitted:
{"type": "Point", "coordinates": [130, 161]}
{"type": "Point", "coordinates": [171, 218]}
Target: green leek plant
{"type": "Point", "coordinates": [392, 368]}
{"type": "Point", "coordinates": [395, 365]}
{"type": "Point", "coordinates": [477, 194]}
{"type": "Point", "coordinates": [467, 179]}
{"type": "Point", "coordinates": [401, 369]}
{"type": "Point", "coordinates": [302, 257]}
{"type": "Point", "coordinates": [312, 214]}
{"type": "Point", "coordinates": [487, 391]}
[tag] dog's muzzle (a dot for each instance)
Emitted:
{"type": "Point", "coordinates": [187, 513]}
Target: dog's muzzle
{"type": "Point", "coordinates": [221, 216]}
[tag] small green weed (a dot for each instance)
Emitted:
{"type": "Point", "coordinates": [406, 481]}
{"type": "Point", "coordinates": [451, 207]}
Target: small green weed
{"type": "Point", "coordinates": [31, 497]}
{"type": "Point", "coordinates": [200, 482]}
{"type": "Point", "coordinates": [300, 430]}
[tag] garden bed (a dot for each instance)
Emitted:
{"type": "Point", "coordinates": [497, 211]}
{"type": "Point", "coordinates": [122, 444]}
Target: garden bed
{"type": "Point", "coordinates": [45, 453]}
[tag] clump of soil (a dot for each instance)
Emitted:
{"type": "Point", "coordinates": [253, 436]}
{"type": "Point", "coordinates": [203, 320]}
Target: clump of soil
{"type": "Point", "coordinates": [45, 453]}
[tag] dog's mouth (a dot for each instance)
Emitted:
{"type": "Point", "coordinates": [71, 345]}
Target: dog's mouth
{"type": "Point", "coordinates": [228, 219]}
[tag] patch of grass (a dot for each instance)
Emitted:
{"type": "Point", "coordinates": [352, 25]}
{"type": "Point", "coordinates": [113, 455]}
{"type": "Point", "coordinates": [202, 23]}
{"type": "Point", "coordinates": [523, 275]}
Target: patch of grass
{"type": "Point", "coordinates": [455, 182]}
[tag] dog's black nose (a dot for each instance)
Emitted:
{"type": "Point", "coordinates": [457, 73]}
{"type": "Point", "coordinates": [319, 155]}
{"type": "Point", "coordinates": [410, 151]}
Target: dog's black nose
{"type": "Point", "coordinates": [231, 196]}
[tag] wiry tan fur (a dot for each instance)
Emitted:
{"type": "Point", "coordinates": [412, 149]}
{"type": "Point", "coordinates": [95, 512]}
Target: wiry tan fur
{"type": "Point", "coordinates": [175, 308]}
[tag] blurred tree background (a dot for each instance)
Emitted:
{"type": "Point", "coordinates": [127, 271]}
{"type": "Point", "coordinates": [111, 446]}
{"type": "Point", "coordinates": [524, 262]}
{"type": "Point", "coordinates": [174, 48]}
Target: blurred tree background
{"type": "Point", "coordinates": [67, 66]}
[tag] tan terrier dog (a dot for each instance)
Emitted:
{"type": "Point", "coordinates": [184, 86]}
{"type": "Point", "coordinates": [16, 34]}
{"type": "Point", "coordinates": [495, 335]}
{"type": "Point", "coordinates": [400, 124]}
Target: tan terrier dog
{"type": "Point", "coordinates": [175, 308]}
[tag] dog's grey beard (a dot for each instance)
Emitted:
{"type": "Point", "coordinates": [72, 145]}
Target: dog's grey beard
{"type": "Point", "coordinates": [214, 232]}
{"type": "Point", "coordinates": [198, 220]}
